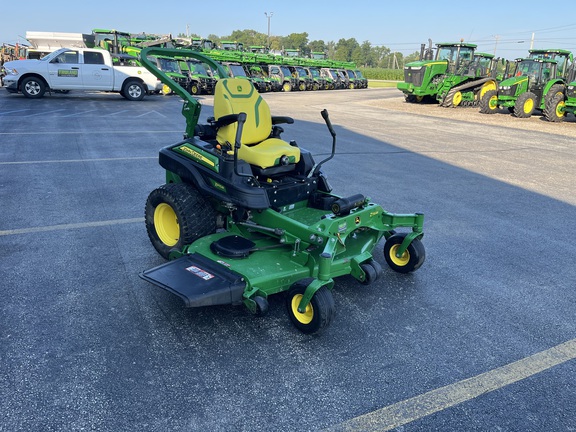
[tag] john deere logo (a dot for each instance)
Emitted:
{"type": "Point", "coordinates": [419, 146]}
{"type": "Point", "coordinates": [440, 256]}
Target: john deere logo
{"type": "Point", "coordinates": [239, 88]}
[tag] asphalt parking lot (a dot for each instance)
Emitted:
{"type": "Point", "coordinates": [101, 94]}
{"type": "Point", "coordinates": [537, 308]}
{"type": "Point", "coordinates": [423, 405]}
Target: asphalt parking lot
{"type": "Point", "coordinates": [482, 337]}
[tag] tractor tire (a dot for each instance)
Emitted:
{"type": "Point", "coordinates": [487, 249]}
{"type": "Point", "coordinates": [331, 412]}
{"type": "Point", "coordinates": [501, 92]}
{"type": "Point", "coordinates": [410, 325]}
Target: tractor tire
{"type": "Point", "coordinates": [525, 105]}
{"type": "Point", "coordinates": [489, 102]}
{"type": "Point", "coordinates": [319, 312]}
{"type": "Point", "coordinates": [412, 258]}
{"type": "Point", "coordinates": [554, 111]}
{"type": "Point", "coordinates": [176, 215]}
{"type": "Point", "coordinates": [556, 89]}
{"type": "Point", "coordinates": [133, 90]}
{"type": "Point", "coordinates": [33, 87]}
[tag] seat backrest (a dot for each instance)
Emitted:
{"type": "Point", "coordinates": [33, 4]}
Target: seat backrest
{"type": "Point", "coordinates": [236, 95]}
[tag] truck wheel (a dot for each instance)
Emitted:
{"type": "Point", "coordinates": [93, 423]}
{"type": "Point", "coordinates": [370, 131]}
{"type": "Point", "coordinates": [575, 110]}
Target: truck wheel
{"type": "Point", "coordinates": [176, 215]}
{"type": "Point", "coordinates": [33, 87]}
{"type": "Point", "coordinates": [525, 105]}
{"type": "Point", "coordinates": [554, 111]}
{"type": "Point", "coordinates": [134, 90]}
{"type": "Point", "coordinates": [412, 258]}
{"type": "Point", "coordinates": [319, 312]}
{"type": "Point", "coordinates": [489, 102]}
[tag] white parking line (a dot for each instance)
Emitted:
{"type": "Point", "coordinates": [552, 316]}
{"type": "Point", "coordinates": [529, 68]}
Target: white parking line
{"type": "Point", "coordinates": [77, 160]}
{"type": "Point", "coordinates": [70, 226]}
{"type": "Point", "coordinates": [45, 112]}
{"type": "Point", "coordinates": [92, 132]}
{"type": "Point", "coordinates": [78, 113]}
{"type": "Point", "coordinates": [409, 410]}
{"type": "Point", "coordinates": [10, 112]}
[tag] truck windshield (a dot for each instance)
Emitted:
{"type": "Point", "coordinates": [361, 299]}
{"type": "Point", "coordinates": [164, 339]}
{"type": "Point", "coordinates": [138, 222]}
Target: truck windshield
{"type": "Point", "coordinates": [237, 70]}
{"type": "Point", "coordinates": [286, 71]}
{"type": "Point", "coordinates": [169, 65]}
{"type": "Point", "coordinates": [54, 54]}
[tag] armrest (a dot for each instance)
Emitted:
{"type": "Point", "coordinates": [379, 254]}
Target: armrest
{"type": "Point", "coordinates": [226, 120]}
{"type": "Point", "coordinates": [281, 119]}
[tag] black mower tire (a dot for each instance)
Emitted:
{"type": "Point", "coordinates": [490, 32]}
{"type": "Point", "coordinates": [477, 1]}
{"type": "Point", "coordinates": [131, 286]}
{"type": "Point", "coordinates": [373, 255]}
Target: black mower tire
{"type": "Point", "coordinates": [176, 215]}
{"type": "Point", "coordinates": [195, 89]}
{"type": "Point", "coordinates": [525, 105]}
{"type": "Point", "coordinates": [373, 270]}
{"type": "Point", "coordinates": [410, 261]}
{"type": "Point", "coordinates": [33, 87]}
{"type": "Point", "coordinates": [319, 312]}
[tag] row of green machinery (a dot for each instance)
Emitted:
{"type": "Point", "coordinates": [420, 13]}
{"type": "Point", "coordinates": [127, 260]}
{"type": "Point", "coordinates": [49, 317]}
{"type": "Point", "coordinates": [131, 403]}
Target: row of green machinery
{"type": "Point", "coordinates": [532, 84]}
{"type": "Point", "coordinates": [266, 70]}
{"type": "Point", "coordinates": [454, 74]}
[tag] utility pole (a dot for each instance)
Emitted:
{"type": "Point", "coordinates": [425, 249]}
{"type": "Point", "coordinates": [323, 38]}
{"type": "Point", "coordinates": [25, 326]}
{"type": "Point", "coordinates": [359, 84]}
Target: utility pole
{"type": "Point", "coordinates": [532, 41]}
{"type": "Point", "coordinates": [496, 43]}
{"type": "Point", "coordinates": [269, 16]}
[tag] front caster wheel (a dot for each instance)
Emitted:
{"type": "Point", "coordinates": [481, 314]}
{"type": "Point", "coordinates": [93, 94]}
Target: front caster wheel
{"type": "Point", "coordinates": [412, 258]}
{"type": "Point", "coordinates": [319, 312]}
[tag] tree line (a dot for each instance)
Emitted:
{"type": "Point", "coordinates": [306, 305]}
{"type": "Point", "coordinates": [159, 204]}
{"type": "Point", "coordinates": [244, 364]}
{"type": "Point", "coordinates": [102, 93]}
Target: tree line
{"type": "Point", "coordinates": [365, 55]}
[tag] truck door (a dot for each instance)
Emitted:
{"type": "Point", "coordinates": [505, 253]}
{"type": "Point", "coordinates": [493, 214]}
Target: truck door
{"type": "Point", "coordinates": [96, 75]}
{"type": "Point", "coordinates": [64, 71]}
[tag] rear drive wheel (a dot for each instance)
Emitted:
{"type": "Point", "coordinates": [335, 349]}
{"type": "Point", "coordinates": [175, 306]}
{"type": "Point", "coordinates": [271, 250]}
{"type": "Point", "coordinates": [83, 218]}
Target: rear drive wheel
{"type": "Point", "coordinates": [489, 102]}
{"type": "Point", "coordinates": [176, 215]}
{"type": "Point", "coordinates": [33, 87]}
{"type": "Point", "coordinates": [525, 105]}
{"type": "Point", "coordinates": [319, 312]}
{"type": "Point", "coordinates": [554, 111]}
{"type": "Point", "coordinates": [412, 258]}
{"type": "Point", "coordinates": [134, 90]}
{"type": "Point", "coordinates": [287, 87]}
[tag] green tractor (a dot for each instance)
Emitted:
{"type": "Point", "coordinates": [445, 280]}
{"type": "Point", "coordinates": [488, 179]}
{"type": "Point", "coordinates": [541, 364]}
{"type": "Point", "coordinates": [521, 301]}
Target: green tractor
{"type": "Point", "coordinates": [560, 104]}
{"type": "Point", "coordinates": [454, 77]}
{"type": "Point", "coordinates": [244, 215]}
{"type": "Point", "coordinates": [199, 78]}
{"type": "Point", "coordinates": [533, 81]}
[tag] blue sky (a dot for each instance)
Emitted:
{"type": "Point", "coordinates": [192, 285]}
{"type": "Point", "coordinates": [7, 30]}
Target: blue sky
{"type": "Point", "coordinates": [506, 27]}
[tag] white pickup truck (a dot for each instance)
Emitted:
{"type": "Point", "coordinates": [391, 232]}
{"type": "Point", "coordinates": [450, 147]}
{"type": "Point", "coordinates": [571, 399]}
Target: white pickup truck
{"type": "Point", "coordinates": [80, 69]}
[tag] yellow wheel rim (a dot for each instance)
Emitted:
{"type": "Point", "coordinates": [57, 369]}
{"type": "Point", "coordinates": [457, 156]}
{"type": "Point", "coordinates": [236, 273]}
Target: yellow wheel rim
{"type": "Point", "coordinates": [166, 89]}
{"type": "Point", "coordinates": [528, 106]}
{"type": "Point", "coordinates": [306, 317]}
{"type": "Point", "coordinates": [457, 99]}
{"type": "Point", "coordinates": [403, 260]}
{"type": "Point", "coordinates": [560, 109]}
{"type": "Point", "coordinates": [166, 224]}
{"type": "Point", "coordinates": [493, 103]}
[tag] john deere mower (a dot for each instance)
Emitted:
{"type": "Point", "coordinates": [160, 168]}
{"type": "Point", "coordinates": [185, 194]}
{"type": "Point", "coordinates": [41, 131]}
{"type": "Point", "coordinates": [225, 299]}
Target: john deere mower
{"type": "Point", "coordinates": [245, 214]}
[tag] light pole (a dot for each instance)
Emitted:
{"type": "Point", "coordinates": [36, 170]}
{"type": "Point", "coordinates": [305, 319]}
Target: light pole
{"type": "Point", "coordinates": [268, 15]}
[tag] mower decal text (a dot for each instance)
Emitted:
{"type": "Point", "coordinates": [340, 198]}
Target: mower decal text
{"type": "Point", "coordinates": [342, 227]}
{"type": "Point", "coordinates": [67, 73]}
{"type": "Point", "coordinates": [200, 273]}
{"type": "Point", "coordinates": [197, 156]}
{"type": "Point", "coordinates": [224, 263]}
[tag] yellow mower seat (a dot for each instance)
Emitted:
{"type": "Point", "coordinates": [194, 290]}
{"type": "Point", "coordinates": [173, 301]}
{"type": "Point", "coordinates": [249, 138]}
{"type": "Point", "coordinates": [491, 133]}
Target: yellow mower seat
{"type": "Point", "coordinates": [236, 95]}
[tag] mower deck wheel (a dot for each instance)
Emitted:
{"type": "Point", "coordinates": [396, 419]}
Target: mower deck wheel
{"type": "Point", "coordinates": [318, 313]}
{"type": "Point", "coordinates": [412, 258]}
{"type": "Point", "coordinates": [373, 269]}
